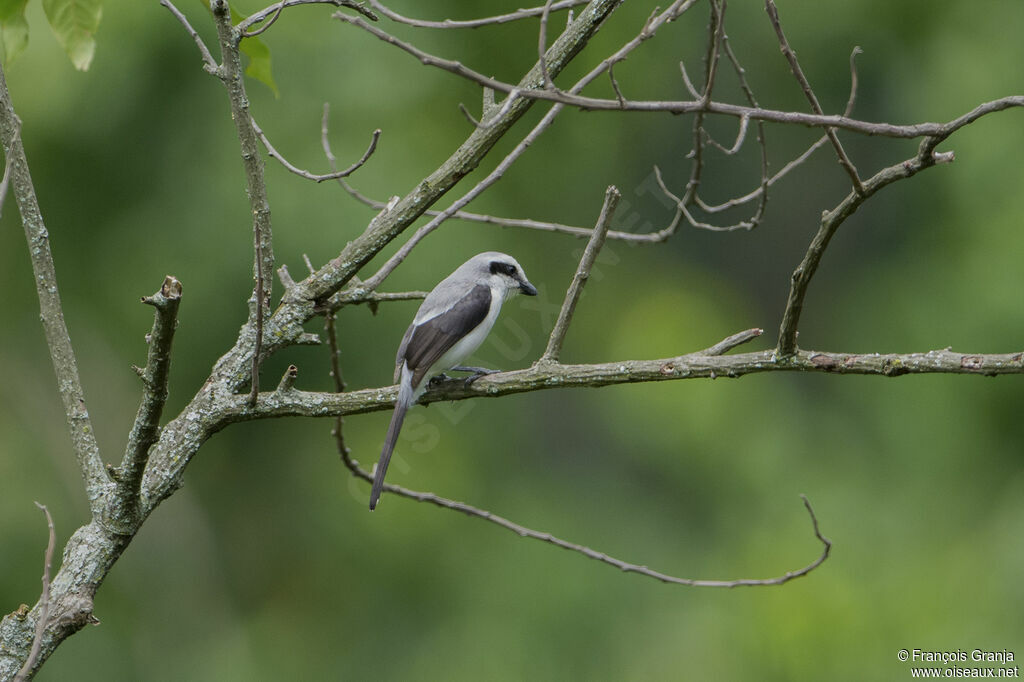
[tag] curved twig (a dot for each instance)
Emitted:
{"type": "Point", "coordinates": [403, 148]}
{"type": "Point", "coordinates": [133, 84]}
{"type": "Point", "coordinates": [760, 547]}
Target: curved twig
{"type": "Point", "coordinates": [334, 174]}
{"type": "Point", "coordinates": [475, 23]}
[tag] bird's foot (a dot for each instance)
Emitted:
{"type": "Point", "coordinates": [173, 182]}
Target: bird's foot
{"type": "Point", "coordinates": [438, 379]}
{"type": "Point", "coordinates": [477, 373]}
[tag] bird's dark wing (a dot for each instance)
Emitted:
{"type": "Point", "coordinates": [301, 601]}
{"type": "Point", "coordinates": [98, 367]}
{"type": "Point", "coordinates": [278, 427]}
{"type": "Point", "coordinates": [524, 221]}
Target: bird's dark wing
{"type": "Point", "coordinates": [426, 343]}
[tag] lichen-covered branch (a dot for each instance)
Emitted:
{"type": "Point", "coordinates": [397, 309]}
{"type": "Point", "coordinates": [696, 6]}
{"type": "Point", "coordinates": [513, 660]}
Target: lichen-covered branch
{"type": "Point", "coordinates": [709, 364]}
{"type": "Point", "coordinates": [230, 73]}
{"type": "Point", "coordinates": [58, 341]}
{"type": "Point", "coordinates": [154, 377]}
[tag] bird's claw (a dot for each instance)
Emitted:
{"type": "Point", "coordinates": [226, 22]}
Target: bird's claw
{"type": "Point", "coordinates": [438, 379]}
{"type": "Point", "coordinates": [477, 373]}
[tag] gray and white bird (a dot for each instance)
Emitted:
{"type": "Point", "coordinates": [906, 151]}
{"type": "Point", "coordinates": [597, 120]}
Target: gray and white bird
{"type": "Point", "coordinates": [450, 325]}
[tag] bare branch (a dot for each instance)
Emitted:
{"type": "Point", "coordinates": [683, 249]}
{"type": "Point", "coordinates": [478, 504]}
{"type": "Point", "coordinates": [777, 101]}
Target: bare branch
{"type": "Point", "coordinates": [6, 182]}
{"type": "Point", "coordinates": [799, 160]}
{"type": "Point", "coordinates": [730, 342]}
{"type": "Point", "coordinates": [649, 28]}
{"type": "Point", "coordinates": [687, 82]}
{"type": "Point", "coordinates": [394, 219]}
{"type": "Point", "coordinates": [830, 222]}
{"type": "Point", "coordinates": [615, 84]}
{"type": "Point", "coordinates": [853, 80]}
{"type": "Point", "coordinates": [542, 46]}
{"type": "Point", "coordinates": [568, 98]}
{"type": "Point", "coordinates": [476, 23]}
{"type": "Point", "coordinates": [339, 386]}
{"type": "Point", "coordinates": [698, 365]}
{"type": "Point", "coordinates": [794, 65]}
{"type": "Point", "coordinates": [287, 382]}
{"type": "Point", "coordinates": [715, 33]}
{"type": "Point", "coordinates": [624, 566]}
{"type": "Point", "coordinates": [389, 266]}
{"type": "Point", "coordinates": [146, 427]}
{"type": "Point", "coordinates": [358, 294]}
{"type": "Point", "coordinates": [741, 136]}
{"type": "Point", "coordinates": [255, 184]}
{"type": "Point", "coordinates": [469, 117]}
{"type": "Point", "coordinates": [209, 63]}
{"type": "Point", "coordinates": [43, 616]}
{"type": "Point", "coordinates": [681, 208]}
{"type": "Point", "coordinates": [530, 224]}
{"type": "Point", "coordinates": [271, 14]}
{"type": "Point", "coordinates": [270, 21]}
{"type": "Point", "coordinates": [762, 191]}
{"type": "Point", "coordinates": [58, 341]}
{"type": "Point", "coordinates": [334, 175]}
{"type": "Point", "coordinates": [579, 280]}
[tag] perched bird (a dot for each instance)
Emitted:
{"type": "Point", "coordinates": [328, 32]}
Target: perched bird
{"type": "Point", "coordinates": [450, 325]}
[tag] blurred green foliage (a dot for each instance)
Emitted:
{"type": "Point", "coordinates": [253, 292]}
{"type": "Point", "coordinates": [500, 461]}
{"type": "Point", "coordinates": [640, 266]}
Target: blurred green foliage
{"type": "Point", "coordinates": [74, 24]}
{"type": "Point", "coordinates": [266, 565]}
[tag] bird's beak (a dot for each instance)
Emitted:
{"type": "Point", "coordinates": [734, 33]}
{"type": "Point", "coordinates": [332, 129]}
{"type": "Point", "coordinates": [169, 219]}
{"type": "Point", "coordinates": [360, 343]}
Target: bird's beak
{"type": "Point", "coordinates": [527, 288]}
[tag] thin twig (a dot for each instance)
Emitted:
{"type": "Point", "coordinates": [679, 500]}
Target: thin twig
{"type": "Point", "coordinates": [853, 80]}
{"type": "Point", "coordinates": [649, 28]}
{"type": "Point", "coordinates": [469, 116]}
{"type": "Point", "coordinates": [58, 341]}
{"type": "Point", "coordinates": [5, 183]}
{"type": "Point", "coordinates": [528, 223]}
{"type": "Point", "coordinates": [44, 601]}
{"type": "Point", "coordinates": [395, 219]}
{"type": "Point", "coordinates": [334, 175]}
{"type": "Point", "coordinates": [542, 46]}
{"type": "Point", "coordinates": [933, 130]}
{"type": "Point", "coordinates": [730, 342]}
{"type": "Point", "coordinates": [615, 84]}
{"type": "Point", "coordinates": [687, 82]}
{"type": "Point", "coordinates": [762, 144]}
{"type": "Point", "coordinates": [209, 62]}
{"type": "Point", "coordinates": [795, 163]}
{"type": "Point", "coordinates": [475, 23]}
{"type": "Point", "coordinates": [682, 208]}
{"type": "Point", "coordinates": [339, 387]}
{"type": "Point", "coordinates": [270, 21]}
{"type": "Point", "coordinates": [579, 280]}
{"type": "Point", "coordinates": [271, 13]}
{"type": "Point", "coordinates": [624, 566]}
{"type": "Point", "coordinates": [830, 222]}
{"type": "Point", "coordinates": [357, 294]}
{"type": "Point", "coordinates": [794, 65]}
{"type": "Point", "coordinates": [697, 128]}
{"type": "Point", "coordinates": [741, 136]}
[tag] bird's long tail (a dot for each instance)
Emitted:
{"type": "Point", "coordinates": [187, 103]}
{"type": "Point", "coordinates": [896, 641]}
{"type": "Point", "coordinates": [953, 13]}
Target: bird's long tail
{"type": "Point", "coordinates": [402, 403]}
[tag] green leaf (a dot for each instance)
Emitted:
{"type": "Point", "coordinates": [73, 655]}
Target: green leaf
{"type": "Point", "coordinates": [13, 29]}
{"type": "Point", "coordinates": [257, 52]}
{"type": "Point", "coordinates": [75, 23]}
{"type": "Point", "coordinates": [259, 62]}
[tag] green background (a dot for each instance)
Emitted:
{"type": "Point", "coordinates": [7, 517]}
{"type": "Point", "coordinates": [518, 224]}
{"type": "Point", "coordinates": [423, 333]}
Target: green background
{"type": "Point", "coordinates": [267, 565]}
